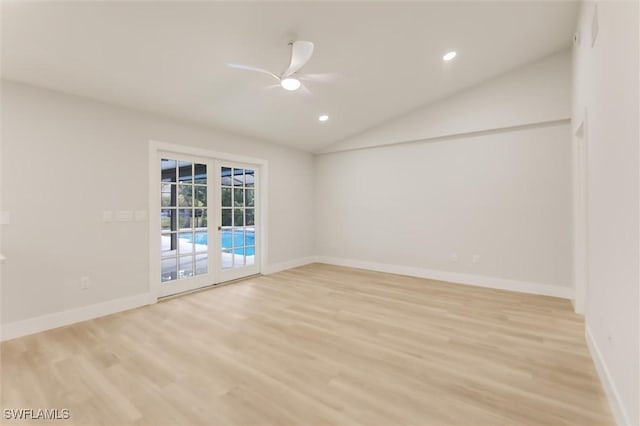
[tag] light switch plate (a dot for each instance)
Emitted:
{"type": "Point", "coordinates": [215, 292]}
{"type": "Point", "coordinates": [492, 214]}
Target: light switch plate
{"type": "Point", "coordinates": [124, 215]}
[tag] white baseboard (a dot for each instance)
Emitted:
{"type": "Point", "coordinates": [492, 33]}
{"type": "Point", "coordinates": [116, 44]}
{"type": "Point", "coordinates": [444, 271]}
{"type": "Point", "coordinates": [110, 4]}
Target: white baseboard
{"type": "Point", "coordinates": [455, 277]}
{"type": "Point", "coordinates": [46, 322]}
{"type": "Point", "coordinates": [59, 319]}
{"type": "Point", "coordinates": [277, 267]}
{"type": "Point", "coordinates": [617, 407]}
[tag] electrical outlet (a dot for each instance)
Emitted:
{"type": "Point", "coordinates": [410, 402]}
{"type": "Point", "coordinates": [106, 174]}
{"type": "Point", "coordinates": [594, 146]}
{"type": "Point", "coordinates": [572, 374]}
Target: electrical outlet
{"type": "Point", "coordinates": [453, 257]}
{"type": "Point", "coordinates": [107, 216]}
{"type": "Point", "coordinates": [84, 283]}
{"type": "Point", "coordinates": [475, 258]}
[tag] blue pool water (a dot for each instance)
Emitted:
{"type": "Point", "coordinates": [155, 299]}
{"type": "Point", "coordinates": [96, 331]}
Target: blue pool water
{"type": "Point", "coordinates": [239, 238]}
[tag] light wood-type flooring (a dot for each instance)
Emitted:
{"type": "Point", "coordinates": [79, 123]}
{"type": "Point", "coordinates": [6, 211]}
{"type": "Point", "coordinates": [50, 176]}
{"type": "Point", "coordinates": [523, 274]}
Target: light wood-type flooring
{"type": "Point", "coordinates": [317, 345]}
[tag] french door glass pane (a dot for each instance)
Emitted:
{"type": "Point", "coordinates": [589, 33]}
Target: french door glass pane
{"type": "Point", "coordinates": [238, 197]}
{"type": "Point", "coordinates": [238, 239]}
{"type": "Point", "coordinates": [238, 232]}
{"type": "Point", "coordinates": [185, 245]}
{"type": "Point", "coordinates": [251, 256]}
{"type": "Point", "coordinates": [186, 267]}
{"type": "Point", "coordinates": [185, 218]}
{"type": "Point", "coordinates": [168, 170]}
{"type": "Point", "coordinates": [227, 243]}
{"type": "Point", "coordinates": [250, 238]}
{"type": "Point", "coordinates": [238, 217]}
{"type": "Point", "coordinates": [168, 195]}
{"type": "Point", "coordinates": [200, 196]}
{"type": "Point", "coordinates": [168, 245]}
{"type": "Point", "coordinates": [249, 178]}
{"type": "Point", "coordinates": [226, 176]}
{"type": "Point", "coordinates": [201, 241]}
{"type": "Point", "coordinates": [168, 269]}
{"type": "Point", "coordinates": [200, 218]}
{"type": "Point", "coordinates": [183, 202]}
{"type": "Point", "coordinates": [185, 172]}
{"type": "Point", "coordinates": [238, 258]}
{"type": "Point", "coordinates": [200, 174]}
{"type": "Point", "coordinates": [226, 217]}
{"type": "Point", "coordinates": [202, 264]}
{"type": "Point", "coordinates": [238, 177]}
{"type": "Point", "coordinates": [166, 218]}
{"type": "Point", "coordinates": [185, 195]}
{"type": "Point", "coordinates": [249, 198]}
{"type": "Point", "coordinates": [250, 217]}
{"type": "Point", "coordinates": [226, 197]}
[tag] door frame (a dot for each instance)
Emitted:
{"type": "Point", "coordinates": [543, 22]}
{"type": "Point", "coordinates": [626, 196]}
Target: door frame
{"type": "Point", "coordinates": [580, 216]}
{"type": "Point", "coordinates": [153, 185]}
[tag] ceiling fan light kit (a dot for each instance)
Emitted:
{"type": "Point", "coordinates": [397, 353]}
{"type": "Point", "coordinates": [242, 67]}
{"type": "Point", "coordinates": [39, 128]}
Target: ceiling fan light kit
{"type": "Point", "coordinates": [449, 56]}
{"type": "Point", "coordinates": [290, 83]}
{"type": "Point", "coordinates": [301, 52]}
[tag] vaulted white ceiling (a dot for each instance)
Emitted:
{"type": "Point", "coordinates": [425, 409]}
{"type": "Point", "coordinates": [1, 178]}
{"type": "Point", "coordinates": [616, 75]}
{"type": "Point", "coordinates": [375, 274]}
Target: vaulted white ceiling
{"type": "Point", "coordinates": [169, 57]}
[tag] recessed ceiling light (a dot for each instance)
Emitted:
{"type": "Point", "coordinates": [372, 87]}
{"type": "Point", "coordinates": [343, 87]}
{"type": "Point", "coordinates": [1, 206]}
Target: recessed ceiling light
{"type": "Point", "coordinates": [323, 117]}
{"type": "Point", "coordinates": [290, 83]}
{"type": "Point", "coordinates": [449, 56]}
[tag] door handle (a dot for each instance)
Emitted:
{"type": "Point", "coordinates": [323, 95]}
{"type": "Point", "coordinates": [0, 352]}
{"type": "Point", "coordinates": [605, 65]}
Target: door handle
{"type": "Point", "coordinates": [219, 228]}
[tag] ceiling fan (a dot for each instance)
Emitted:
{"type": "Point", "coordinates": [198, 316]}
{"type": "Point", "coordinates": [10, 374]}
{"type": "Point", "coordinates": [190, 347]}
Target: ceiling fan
{"type": "Point", "coordinates": [301, 52]}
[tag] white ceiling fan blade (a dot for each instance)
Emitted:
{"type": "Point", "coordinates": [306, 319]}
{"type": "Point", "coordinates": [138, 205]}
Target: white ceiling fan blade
{"type": "Point", "coordinates": [264, 89]}
{"type": "Point", "coordinates": [305, 91]}
{"type": "Point", "coordinates": [259, 91]}
{"type": "Point", "coordinates": [301, 52]}
{"type": "Point", "coordinates": [322, 77]}
{"type": "Point", "coordinates": [250, 68]}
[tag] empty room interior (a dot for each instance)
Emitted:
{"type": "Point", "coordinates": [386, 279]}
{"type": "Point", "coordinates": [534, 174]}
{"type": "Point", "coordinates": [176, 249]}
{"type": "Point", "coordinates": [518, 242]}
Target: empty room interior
{"type": "Point", "coordinates": [320, 213]}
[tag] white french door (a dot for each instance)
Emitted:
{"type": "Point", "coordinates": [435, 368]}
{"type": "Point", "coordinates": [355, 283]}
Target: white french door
{"type": "Point", "coordinates": [236, 220]}
{"type": "Point", "coordinates": [208, 222]}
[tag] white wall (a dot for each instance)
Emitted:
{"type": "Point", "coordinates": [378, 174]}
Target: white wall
{"type": "Point", "coordinates": [504, 196]}
{"type": "Point", "coordinates": [502, 193]}
{"type": "Point", "coordinates": [535, 93]}
{"type": "Point", "coordinates": [606, 99]}
{"type": "Point", "coordinates": [67, 159]}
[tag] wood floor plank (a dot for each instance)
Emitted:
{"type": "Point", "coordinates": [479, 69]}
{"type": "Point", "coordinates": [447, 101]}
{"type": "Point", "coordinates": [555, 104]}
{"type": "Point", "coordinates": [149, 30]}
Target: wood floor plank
{"type": "Point", "coordinates": [317, 345]}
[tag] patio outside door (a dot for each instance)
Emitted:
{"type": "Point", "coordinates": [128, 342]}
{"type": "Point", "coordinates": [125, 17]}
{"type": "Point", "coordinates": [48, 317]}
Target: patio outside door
{"type": "Point", "coordinates": [236, 219]}
{"type": "Point", "coordinates": [207, 222]}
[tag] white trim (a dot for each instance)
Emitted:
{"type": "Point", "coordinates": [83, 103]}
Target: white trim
{"type": "Point", "coordinates": [333, 149]}
{"type": "Point", "coordinates": [580, 216]}
{"type": "Point", "coordinates": [16, 329]}
{"type": "Point", "coordinates": [200, 152]}
{"type": "Point", "coordinates": [456, 277]}
{"type": "Point", "coordinates": [153, 191]}
{"type": "Point", "coordinates": [59, 319]}
{"type": "Point", "coordinates": [277, 267]}
{"type": "Point", "coordinates": [617, 407]}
